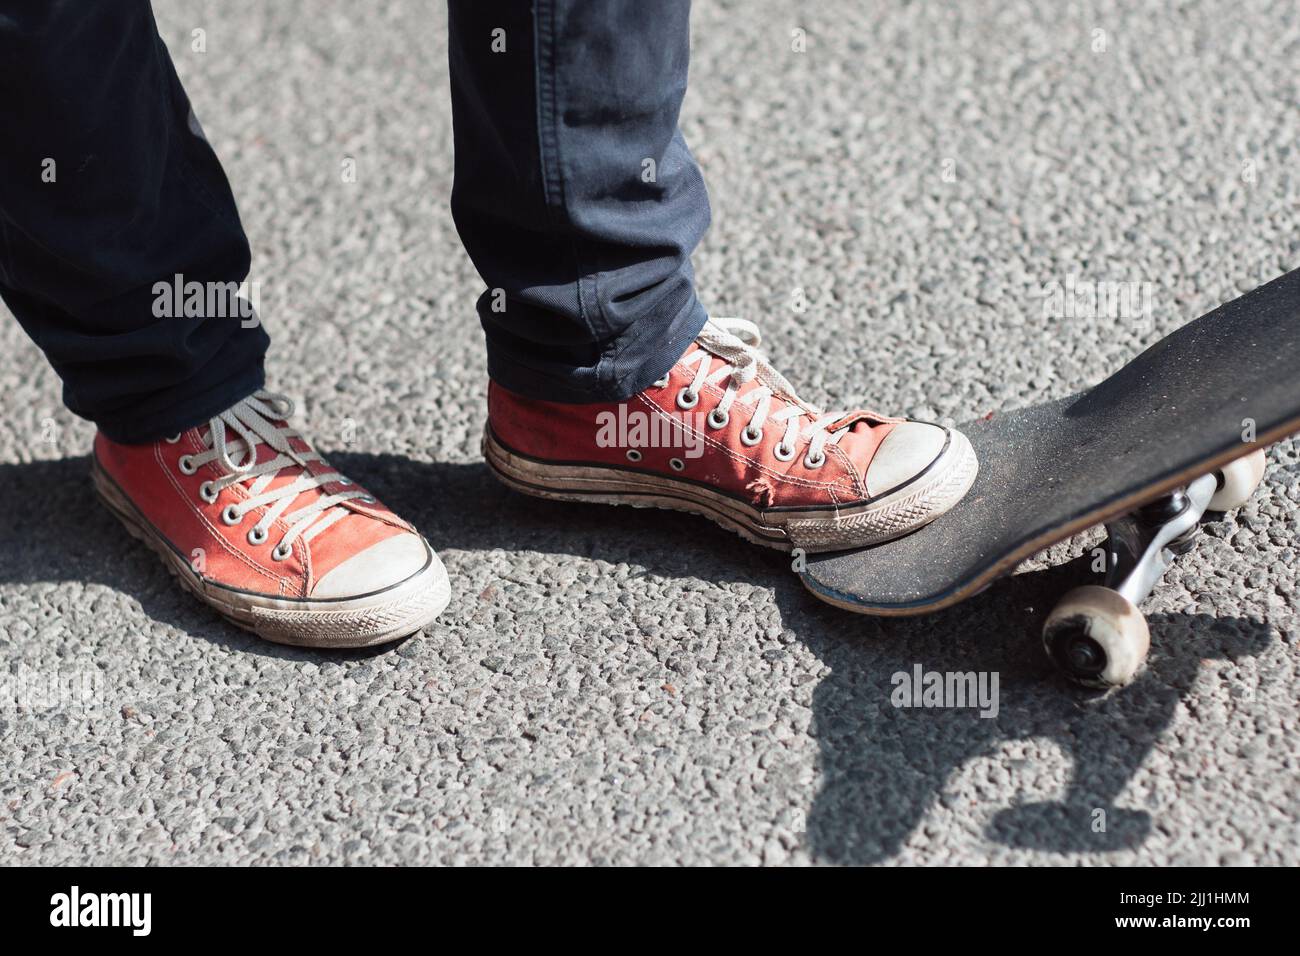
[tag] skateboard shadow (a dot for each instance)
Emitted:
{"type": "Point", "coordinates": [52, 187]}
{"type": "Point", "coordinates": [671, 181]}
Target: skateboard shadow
{"type": "Point", "coordinates": [882, 768]}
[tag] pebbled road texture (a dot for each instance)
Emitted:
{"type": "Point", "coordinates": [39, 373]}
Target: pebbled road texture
{"type": "Point", "coordinates": [618, 686]}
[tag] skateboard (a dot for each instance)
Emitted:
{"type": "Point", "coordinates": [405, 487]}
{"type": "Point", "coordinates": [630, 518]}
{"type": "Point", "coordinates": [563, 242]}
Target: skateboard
{"type": "Point", "coordinates": [1177, 432]}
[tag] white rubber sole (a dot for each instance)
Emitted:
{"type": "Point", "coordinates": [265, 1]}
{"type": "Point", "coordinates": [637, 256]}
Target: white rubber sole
{"type": "Point", "coordinates": [892, 515]}
{"type": "Point", "coordinates": [381, 616]}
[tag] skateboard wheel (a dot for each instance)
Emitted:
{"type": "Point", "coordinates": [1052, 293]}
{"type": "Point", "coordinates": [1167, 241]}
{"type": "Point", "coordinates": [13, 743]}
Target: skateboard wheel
{"type": "Point", "coordinates": [1097, 637]}
{"type": "Point", "coordinates": [1238, 481]}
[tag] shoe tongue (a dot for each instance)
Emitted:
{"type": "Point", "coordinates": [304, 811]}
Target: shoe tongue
{"type": "Point", "coordinates": [781, 390]}
{"type": "Point", "coordinates": [238, 447]}
{"type": "Point", "coordinates": [286, 474]}
{"type": "Point", "coordinates": [859, 441]}
{"type": "Point", "coordinates": [716, 362]}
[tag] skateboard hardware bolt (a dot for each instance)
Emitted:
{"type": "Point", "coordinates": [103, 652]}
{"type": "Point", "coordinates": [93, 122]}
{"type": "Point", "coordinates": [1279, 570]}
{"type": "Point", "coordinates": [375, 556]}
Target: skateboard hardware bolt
{"type": "Point", "coordinates": [1085, 656]}
{"type": "Point", "coordinates": [1184, 542]}
{"type": "Point", "coordinates": [1076, 652]}
{"type": "Point", "coordinates": [1164, 509]}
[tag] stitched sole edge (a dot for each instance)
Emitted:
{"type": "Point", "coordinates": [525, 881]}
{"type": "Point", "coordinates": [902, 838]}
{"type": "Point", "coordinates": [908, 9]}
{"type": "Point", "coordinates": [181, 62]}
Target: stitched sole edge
{"type": "Point", "coordinates": [891, 516]}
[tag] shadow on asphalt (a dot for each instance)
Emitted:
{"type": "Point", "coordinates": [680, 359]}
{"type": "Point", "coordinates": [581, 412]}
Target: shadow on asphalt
{"type": "Point", "coordinates": [881, 768]}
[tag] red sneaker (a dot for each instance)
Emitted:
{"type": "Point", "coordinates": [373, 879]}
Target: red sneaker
{"type": "Point", "coordinates": [273, 538]}
{"type": "Point", "coordinates": [724, 435]}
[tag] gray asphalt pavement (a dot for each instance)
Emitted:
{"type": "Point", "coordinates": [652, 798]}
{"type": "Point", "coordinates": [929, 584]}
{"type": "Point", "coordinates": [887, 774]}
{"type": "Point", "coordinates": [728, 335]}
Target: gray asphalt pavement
{"type": "Point", "coordinates": [619, 686]}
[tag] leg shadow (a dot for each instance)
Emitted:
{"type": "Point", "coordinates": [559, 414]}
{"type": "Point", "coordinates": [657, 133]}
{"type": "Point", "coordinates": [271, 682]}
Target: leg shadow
{"type": "Point", "coordinates": [63, 533]}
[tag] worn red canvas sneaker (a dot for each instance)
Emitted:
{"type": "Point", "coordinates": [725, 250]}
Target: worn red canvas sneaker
{"type": "Point", "coordinates": [724, 435]}
{"type": "Point", "coordinates": [255, 523]}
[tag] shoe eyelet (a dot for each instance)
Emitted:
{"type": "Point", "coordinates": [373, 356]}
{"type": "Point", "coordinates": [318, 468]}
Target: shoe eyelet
{"type": "Point", "coordinates": [174, 439]}
{"type": "Point", "coordinates": [810, 462]}
{"type": "Point", "coordinates": [633, 455]}
{"type": "Point", "coordinates": [280, 552]}
{"type": "Point", "coordinates": [783, 452]}
{"type": "Point", "coordinates": [230, 515]}
{"type": "Point", "coordinates": [751, 436]}
{"type": "Point", "coordinates": [186, 465]}
{"type": "Point", "coordinates": [676, 464]}
{"type": "Point", "coordinates": [256, 535]}
{"type": "Point", "coordinates": [367, 499]}
{"type": "Point", "coordinates": [208, 493]}
{"type": "Point", "coordinates": [719, 421]}
{"type": "Point", "coordinates": [684, 402]}
{"type": "Point", "coordinates": [660, 383]}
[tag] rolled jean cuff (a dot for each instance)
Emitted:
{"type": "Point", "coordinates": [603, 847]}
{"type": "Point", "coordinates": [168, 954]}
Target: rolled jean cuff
{"type": "Point", "coordinates": [642, 355]}
{"type": "Point", "coordinates": [140, 429]}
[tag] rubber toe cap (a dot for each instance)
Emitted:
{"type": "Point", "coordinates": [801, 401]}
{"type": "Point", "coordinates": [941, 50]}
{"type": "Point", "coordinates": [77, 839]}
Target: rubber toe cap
{"type": "Point", "coordinates": [379, 566]}
{"type": "Point", "coordinates": [909, 449]}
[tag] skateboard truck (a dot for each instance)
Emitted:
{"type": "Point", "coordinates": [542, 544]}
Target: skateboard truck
{"type": "Point", "coordinates": [1144, 544]}
{"type": "Point", "coordinates": [1096, 635]}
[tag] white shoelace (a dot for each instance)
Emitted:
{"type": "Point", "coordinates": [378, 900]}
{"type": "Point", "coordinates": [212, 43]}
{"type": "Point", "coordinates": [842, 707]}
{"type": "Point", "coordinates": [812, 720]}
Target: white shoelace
{"type": "Point", "coordinates": [736, 341]}
{"type": "Point", "coordinates": [254, 420]}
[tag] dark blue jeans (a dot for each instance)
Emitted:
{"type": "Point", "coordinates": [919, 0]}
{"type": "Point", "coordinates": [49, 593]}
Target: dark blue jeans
{"type": "Point", "coordinates": [575, 196]}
